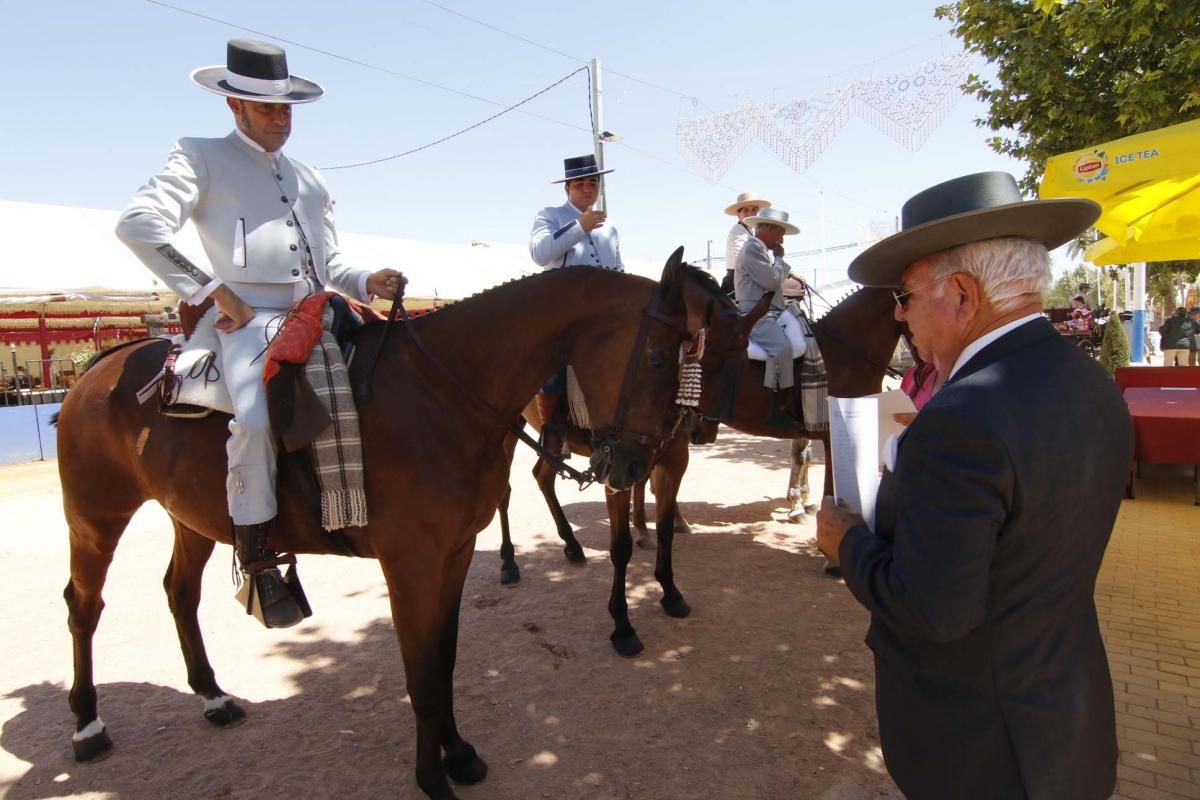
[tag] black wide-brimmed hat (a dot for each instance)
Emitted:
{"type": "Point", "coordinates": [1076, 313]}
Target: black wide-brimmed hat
{"type": "Point", "coordinates": [580, 167]}
{"type": "Point", "coordinates": [256, 71]}
{"type": "Point", "coordinates": [986, 205]}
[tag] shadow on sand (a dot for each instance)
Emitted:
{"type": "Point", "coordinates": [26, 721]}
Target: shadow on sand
{"type": "Point", "coordinates": [764, 692]}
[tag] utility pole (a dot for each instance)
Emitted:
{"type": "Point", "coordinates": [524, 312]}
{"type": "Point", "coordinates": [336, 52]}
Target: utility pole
{"type": "Point", "coordinates": [597, 129]}
{"type": "Point", "coordinates": [708, 258]}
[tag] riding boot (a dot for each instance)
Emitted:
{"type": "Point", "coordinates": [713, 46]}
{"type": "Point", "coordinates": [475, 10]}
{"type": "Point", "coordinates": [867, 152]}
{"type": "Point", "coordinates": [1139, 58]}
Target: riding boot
{"type": "Point", "coordinates": [278, 602]}
{"type": "Point", "coordinates": [547, 408]}
{"type": "Point", "coordinates": [779, 409]}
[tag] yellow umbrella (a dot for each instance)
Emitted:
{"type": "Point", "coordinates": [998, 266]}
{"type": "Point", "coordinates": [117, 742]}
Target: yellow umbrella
{"type": "Point", "coordinates": [1108, 251]}
{"type": "Point", "coordinates": [1146, 185]}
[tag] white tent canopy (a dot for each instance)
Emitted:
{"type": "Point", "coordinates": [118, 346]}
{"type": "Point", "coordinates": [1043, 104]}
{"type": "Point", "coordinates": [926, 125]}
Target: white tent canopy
{"type": "Point", "coordinates": [51, 247]}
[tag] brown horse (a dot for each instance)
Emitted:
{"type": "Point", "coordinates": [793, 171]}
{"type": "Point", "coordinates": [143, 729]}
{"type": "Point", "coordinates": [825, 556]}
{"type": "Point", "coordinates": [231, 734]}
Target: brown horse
{"type": "Point", "coordinates": [856, 337]}
{"type": "Point", "coordinates": [727, 334]}
{"type": "Point", "coordinates": [436, 467]}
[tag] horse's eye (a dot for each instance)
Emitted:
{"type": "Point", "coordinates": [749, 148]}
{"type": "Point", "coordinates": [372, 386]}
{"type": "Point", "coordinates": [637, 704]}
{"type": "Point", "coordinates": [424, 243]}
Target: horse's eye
{"type": "Point", "coordinates": [657, 359]}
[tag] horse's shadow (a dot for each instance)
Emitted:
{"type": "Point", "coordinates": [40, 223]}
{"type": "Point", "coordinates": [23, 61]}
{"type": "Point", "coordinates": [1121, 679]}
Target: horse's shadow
{"type": "Point", "coordinates": [164, 748]}
{"type": "Point", "coordinates": [753, 681]}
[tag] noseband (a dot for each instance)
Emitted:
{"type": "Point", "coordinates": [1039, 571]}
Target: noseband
{"type": "Point", "coordinates": [605, 439]}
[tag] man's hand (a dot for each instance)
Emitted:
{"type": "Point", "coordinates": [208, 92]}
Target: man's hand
{"type": "Point", "coordinates": [386, 283]}
{"type": "Point", "coordinates": [832, 523]}
{"type": "Point", "coordinates": [778, 250]}
{"type": "Point", "coordinates": [235, 312]}
{"type": "Point", "coordinates": [590, 220]}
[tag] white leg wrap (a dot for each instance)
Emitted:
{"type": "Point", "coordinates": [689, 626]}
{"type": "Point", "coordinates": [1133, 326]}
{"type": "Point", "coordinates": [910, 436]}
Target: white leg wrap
{"type": "Point", "coordinates": [216, 702]}
{"type": "Point", "coordinates": [93, 728]}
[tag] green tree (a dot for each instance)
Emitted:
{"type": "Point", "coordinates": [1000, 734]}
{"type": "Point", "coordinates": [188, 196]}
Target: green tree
{"type": "Point", "coordinates": [1167, 281]}
{"type": "Point", "coordinates": [1072, 73]}
{"type": "Point", "coordinates": [1114, 347]}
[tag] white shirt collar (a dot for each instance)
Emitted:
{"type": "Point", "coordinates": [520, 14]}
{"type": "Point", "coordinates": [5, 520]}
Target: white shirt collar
{"type": "Point", "coordinates": [274, 156]}
{"type": "Point", "coordinates": [983, 341]}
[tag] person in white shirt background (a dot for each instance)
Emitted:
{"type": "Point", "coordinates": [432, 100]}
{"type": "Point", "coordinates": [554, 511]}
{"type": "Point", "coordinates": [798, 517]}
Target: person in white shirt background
{"type": "Point", "coordinates": [747, 205]}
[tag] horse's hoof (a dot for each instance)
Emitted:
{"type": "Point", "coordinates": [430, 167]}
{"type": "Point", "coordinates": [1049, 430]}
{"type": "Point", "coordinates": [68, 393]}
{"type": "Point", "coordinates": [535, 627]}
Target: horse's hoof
{"type": "Point", "coordinates": [228, 715]}
{"type": "Point", "coordinates": [96, 747]}
{"type": "Point", "coordinates": [797, 516]}
{"type": "Point", "coordinates": [833, 569]}
{"type": "Point", "coordinates": [647, 542]}
{"type": "Point", "coordinates": [465, 767]}
{"type": "Point", "coordinates": [676, 607]}
{"type": "Point", "coordinates": [683, 529]}
{"type": "Point", "coordinates": [575, 554]}
{"type": "Point", "coordinates": [811, 509]}
{"type": "Point", "coordinates": [627, 646]}
{"type": "Point", "coordinates": [510, 576]}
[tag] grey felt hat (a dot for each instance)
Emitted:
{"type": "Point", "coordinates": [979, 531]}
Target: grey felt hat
{"type": "Point", "coordinates": [986, 205]}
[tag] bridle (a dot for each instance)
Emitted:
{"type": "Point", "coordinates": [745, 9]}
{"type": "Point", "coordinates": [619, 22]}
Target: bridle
{"type": "Point", "coordinates": [606, 438]}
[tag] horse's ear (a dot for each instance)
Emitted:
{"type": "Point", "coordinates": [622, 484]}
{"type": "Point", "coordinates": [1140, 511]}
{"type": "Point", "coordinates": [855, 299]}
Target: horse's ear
{"type": "Point", "coordinates": [671, 283]}
{"type": "Point", "coordinates": [673, 268]}
{"type": "Point", "coordinates": [756, 313]}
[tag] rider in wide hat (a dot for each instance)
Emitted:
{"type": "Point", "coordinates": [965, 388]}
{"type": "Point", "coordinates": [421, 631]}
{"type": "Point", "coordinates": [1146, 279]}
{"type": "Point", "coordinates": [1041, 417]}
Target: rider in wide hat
{"type": "Point", "coordinates": [266, 223]}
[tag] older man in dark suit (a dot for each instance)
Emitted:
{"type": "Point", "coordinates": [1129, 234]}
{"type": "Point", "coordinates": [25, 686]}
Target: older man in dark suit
{"type": "Point", "coordinates": [991, 675]}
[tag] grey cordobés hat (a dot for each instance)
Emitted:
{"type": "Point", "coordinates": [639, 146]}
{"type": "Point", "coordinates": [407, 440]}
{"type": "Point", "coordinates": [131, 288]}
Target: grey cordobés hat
{"type": "Point", "coordinates": [256, 71]}
{"type": "Point", "coordinates": [986, 205]}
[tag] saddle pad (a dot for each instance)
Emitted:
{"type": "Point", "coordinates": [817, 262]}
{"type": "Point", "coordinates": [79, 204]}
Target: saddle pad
{"type": "Point", "coordinates": [201, 380]}
{"type": "Point", "coordinates": [795, 333]}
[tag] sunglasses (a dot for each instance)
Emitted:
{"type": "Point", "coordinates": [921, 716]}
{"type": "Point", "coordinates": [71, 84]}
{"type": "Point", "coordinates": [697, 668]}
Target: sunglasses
{"type": "Point", "coordinates": [902, 297]}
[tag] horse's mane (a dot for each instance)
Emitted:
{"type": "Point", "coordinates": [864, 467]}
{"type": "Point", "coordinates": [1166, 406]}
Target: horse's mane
{"type": "Point", "coordinates": [470, 301]}
{"type": "Point", "coordinates": [710, 283]}
{"type": "Point", "coordinates": [845, 297]}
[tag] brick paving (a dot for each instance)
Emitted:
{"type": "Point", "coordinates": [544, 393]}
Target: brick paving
{"type": "Point", "coordinates": [1148, 596]}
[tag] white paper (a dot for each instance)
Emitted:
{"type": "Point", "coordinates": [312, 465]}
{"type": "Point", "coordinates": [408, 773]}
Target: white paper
{"type": "Point", "coordinates": [859, 430]}
{"type": "Point", "coordinates": [854, 446]}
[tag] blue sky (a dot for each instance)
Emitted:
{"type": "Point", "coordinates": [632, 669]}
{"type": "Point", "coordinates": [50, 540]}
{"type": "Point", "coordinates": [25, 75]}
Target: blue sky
{"type": "Point", "coordinates": [96, 93]}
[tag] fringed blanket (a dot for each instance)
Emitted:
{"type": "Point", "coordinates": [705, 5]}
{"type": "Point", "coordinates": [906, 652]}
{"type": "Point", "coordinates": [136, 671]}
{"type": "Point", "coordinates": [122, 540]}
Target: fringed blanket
{"type": "Point", "coordinates": [337, 450]}
{"type": "Point", "coordinates": [814, 382]}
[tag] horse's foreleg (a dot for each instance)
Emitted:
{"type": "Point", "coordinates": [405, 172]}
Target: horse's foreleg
{"type": "Point", "coordinates": [832, 567]}
{"type": "Point", "coordinates": [667, 476]}
{"type": "Point", "coordinates": [462, 763]}
{"type": "Point", "coordinates": [644, 540]}
{"type": "Point", "coordinates": [543, 473]}
{"type": "Point", "coordinates": [92, 545]}
{"type": "Point", "coordinates": [423, 611]}
{"type": "Point", "coordinates": [798, 490]}
{"type": "Point", "coordinates": [624, 638]}
{"type": "Point", "coordinates": [510, 573]}
{"type": "Point", "coordinates": [182, 584]}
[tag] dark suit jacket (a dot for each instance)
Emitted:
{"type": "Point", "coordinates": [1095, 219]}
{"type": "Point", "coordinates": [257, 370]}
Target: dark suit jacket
{"type": "Point", "coordinates": [991, 676]}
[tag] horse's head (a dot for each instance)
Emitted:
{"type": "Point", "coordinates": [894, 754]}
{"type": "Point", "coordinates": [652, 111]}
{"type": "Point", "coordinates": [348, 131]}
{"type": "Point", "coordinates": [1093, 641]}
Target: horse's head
{"type": "Point", "coordinates": [631, 376]}
{"type": "Point", "coordinates": [726, 336]}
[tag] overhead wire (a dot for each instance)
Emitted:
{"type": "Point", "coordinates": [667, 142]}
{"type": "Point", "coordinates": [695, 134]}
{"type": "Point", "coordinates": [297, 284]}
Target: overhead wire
{"type": "Point", "coordinates": [355, 61]}
{"type": "Point", "coordinates": [458, 132]}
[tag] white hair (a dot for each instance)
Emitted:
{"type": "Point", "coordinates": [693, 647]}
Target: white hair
{"type": "Point", "coordinates": [1012, 271]}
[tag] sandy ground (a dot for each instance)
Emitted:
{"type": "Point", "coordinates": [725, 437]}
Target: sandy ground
{"type": "Point", "coordinates": [764, 692]}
